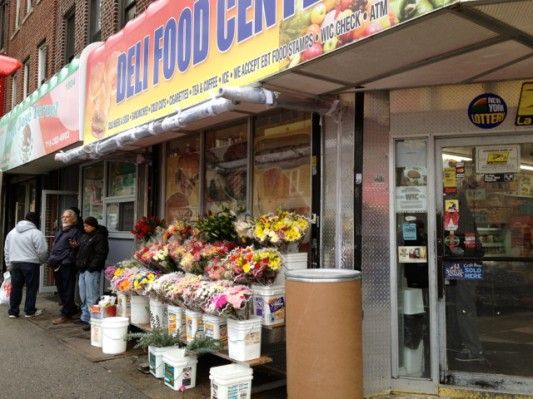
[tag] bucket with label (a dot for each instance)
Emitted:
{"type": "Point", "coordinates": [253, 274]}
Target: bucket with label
{"type": "Point", "coordinates": [291, 261]}
{"type": "Point", "coordinates": [193, 324]}
{"type": "Point", "coordinates": [244, 339]}
{"type": "Point", "coordinates": [123, 305]}
{"type": "Point", "coordinates": [140, 309]}
{"type": "Point", "coordinates": [179, 370]}
{"type": "Point", "coordinates": [216, 327]}
{"type": "Point", "coordinates": [96, 332]}
{"type": "Point", "coordinates": [155, 359]}
{"type": "Point", "coordinates": [158, 314]}
{"type": "Point", "coordinates": [176, 321]}
{"type": "Point", "coordinates": [233, 381]}
{"type": "Point", "coordinates": [269, 304]}
{"type": "Point", "coordinates": [114, 331]}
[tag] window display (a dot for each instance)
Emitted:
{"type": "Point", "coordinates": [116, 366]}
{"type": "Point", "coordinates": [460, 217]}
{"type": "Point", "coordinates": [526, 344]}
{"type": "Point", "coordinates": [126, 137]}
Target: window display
{"type": "Point", "coordinates": [182, 186]}
{"type": "Point", "coordinates": [120, 179]}
{"type": "Point", "coordinates": [412, 258]}
{"type": "Point", "coordinates": [226, 168]}
{"type": "Point", "coordinates": [282, 163]}
{"type": "Point", "coordinates": [92, 191]}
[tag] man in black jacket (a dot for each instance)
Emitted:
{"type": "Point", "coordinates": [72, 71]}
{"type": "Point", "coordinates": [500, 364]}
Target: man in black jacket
{"type": "Point", "coordinates": [92, 253]}
{"type": "Point", "coordinates": [63, 260]}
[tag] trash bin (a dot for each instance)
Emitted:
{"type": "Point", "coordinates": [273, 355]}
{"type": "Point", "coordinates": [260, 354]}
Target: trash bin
{"type": "Point", "coordinates": [324, 334]}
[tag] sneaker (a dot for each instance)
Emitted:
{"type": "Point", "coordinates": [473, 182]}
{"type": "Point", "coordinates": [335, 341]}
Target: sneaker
{"type": "Point", "coordinates": [467, 356]}
{"type": "Point", "coordinates": [86, 327]}
{"type": "Point", "coordinates": [13, 316]}
{"type": "Point", "coordinates": [38, 312]}
{"type": "Point", "coordinates": [61, 320]}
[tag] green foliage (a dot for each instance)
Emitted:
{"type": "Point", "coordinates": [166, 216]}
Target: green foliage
{"type": "Point", "coordinates": [202, 344]}
{"type": "Point", "coordinates": [158, 337]}
{"type": "Point", "coordinates": [218, 227]}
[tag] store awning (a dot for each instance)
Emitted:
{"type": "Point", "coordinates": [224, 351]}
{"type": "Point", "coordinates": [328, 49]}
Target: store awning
{"type": "Point", "coordinates": [230, 103]}
{"type": "Point", "coordinates": [8, 65]}
{"type": "Point", "coordinates": [466, 42]}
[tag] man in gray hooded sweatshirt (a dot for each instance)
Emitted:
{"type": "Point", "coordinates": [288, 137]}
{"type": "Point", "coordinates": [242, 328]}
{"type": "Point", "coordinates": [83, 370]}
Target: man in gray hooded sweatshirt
{"type": "Point", "coordinates": [25, 250]}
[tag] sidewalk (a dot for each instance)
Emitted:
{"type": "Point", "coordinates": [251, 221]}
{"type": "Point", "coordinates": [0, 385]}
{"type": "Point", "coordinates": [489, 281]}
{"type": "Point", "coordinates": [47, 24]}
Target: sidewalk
{"type": "Point", "coordinates": [127, 366]}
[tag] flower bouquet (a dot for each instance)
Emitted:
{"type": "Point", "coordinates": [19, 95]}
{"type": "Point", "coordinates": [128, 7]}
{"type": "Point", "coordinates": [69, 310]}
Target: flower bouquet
{"type": "Point", "coordinates": [194, 255]}
{"type": "Point", "coordinates": [173, 291]}
{"type": "Point", "coordinates": [178, 231]}
{"type": "Point", "coordinates": [155, 256]}
{"type": "Point", "coordinates": [141, 279]}
{"type": "Point", "coordinates": [147, 227]}
{"type": "Point", "coordinates": [281, 227]}
{"type": "Point", "coordinates": [160, 286]}
{"type": "Point", "coordinates": [232, 302]}
{"type": "Point", "coordinates": [254, 266]}
{"type": "Point", "coordinates": [119, 276]}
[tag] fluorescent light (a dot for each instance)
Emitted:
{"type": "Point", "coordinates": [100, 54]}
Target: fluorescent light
{"type": "Point", "coordinates": [526, 167]}
{"type": "Point", "coordinates": [454, 157]}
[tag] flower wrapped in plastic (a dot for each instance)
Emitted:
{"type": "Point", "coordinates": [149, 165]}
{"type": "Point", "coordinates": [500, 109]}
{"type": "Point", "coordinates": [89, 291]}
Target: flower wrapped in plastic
{"type": "Point", "coordinates": [161, 285]}
{"type": "Point", "coordinates": [217, 269]}
{"type": "Point", "coordinates": [156, 256]}
{"type": "Point", "coordinates": [281, 227]}
{"type": "Point", "coordinates": [119, 275]}
{"type": "Point", "coordinates": [148, 227]}
{"type": "Point", "coordinates": [198, 296]}
{"type": "Point", "coordinates": [254, 266]}
{"type": "Point", "coordinates": [179, 231]}
{"type": "Point", "coordinates": [232, 302]}
{"type": "Point", "coordinates": [174, 291]}
{"type": "Point", "coordinates": [194, 255]}
{"type": "Point", "coordinates": [141, 279]}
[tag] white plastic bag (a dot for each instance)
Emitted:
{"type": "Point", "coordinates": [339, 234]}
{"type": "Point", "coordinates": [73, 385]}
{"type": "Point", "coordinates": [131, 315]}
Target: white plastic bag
{"type": "Point", "coordinates": [5, 289]}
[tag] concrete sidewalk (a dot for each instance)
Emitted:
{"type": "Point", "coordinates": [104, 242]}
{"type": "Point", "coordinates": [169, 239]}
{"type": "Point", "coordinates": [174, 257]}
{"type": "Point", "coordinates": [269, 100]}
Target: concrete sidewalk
{"type": "Point", "coordinates": [125, 369]}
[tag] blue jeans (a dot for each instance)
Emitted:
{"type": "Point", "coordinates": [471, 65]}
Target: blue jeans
{"type": "Point", "coordinates": [24, 273]}
{"type": "Point", "coordinates": [89, 283]}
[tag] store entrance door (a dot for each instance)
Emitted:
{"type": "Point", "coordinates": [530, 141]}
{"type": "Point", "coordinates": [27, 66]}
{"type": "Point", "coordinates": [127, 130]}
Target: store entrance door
{"type": "Point", "coordinates": [53, 203]}
{"type": "Point", "coordinates": [485, 262]}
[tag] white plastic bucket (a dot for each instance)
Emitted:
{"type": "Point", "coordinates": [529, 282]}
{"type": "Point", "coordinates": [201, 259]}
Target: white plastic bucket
{"type": "Point", "coordinates": [193, 324]}
{"type": "Point", "coordinates": [140, 313]}
{"type": "Point", "coordinates": [292, 261]}
{"type": "Point", "coordinates": [244, 339]}
{"type": "Point", "coordinates": [96, 332]}
{"type": "Point", "coordinates": [158, 314]}
{"type": "Point", "coordinates": [217, 328]}
{"type": "Point", "coordinates": [233, 381]}
{"type": "Point", "coordinates": [179, 370]}
{"type": "Point", "coordinates": [123, 305]}
{"type": "Point", "coordinates": [114, 331]}
{"type": "Point", "coordinates": [155, 359]}
{"type": "Point", "coordinates": [176, 321]}
{"type": "Point", "coordinates": [269, 304]}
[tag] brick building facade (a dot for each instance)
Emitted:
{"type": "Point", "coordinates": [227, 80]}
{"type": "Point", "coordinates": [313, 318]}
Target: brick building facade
{"type": "Point", "coordinates": [59, 29]}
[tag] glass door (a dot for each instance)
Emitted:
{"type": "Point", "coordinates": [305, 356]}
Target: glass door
{"type": "Point", "coordinates": [53, 204]}
{"type": "Point", "coordinates": [485, 262]}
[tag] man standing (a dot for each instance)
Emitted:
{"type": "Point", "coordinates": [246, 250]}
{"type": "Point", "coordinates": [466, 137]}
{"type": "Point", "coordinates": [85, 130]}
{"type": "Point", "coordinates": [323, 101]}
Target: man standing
{"type": "Point", "coordinates": [92, 253]}
{"type": "Point", "coordinates": [63, 261]}
{"type": "Point", "coordinates": [25, 250]}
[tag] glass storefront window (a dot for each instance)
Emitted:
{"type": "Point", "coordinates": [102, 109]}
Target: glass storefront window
{"type": "Point", "coordinates": [412, 257]}
{"type": "Point", "coordinates": [182, 186]}
{"type": "Point", "coordinates": [487, 247]}
{"type": "Point", "coordinates": [225, 168]}
{"type": "Point", "coordinates": [92, 191]}
{"type": "Point", "coordinates": [282, 163]}
{"type": "Point", "coordinates": [119, 216]}
{"type": "Point", "coordinates": [120, 179]}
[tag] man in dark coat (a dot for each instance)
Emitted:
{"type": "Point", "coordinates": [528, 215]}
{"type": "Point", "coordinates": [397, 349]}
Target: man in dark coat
{"type": "Point", "coordinates": [63, 260]}
{"type": "Point", "coordinates": [92, 253]}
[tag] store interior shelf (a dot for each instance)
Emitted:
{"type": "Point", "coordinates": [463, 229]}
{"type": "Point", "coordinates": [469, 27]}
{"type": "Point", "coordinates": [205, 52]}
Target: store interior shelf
{"type": "Point", "coordinates": [222, 354]}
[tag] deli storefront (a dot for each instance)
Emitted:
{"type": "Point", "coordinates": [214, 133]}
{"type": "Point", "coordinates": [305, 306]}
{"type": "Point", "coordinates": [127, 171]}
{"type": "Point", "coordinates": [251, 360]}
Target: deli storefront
{"type": "Point", "coordinates": [400, 128]}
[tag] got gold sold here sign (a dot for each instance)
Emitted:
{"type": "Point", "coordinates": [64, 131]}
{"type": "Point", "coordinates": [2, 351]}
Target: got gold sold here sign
{"type": "Point", "coordinates": [176, 53]}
